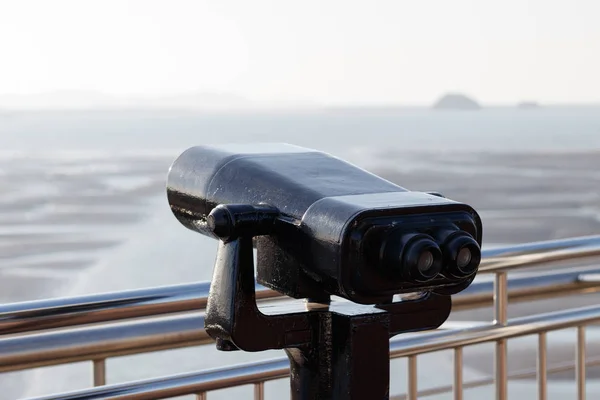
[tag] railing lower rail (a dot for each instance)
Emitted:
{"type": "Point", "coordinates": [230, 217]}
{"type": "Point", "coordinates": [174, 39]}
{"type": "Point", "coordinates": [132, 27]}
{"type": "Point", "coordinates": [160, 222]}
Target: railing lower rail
{"type": "Point", "coordinates": [255, 373]}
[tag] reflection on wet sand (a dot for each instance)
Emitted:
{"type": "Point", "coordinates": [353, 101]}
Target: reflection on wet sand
{"type": "Point", "coordinates": [59, 215]}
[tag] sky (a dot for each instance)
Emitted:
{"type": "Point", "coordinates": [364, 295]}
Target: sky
{"type": "Point", "coordinates": [327, 52]}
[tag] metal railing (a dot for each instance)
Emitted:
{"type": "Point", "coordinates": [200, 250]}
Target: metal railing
{"type": "Point", "coordinates": [56, 331]}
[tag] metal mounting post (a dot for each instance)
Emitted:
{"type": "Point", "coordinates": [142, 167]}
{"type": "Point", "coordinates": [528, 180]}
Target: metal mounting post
{"type": "Point", "coordinates": [338, 352]}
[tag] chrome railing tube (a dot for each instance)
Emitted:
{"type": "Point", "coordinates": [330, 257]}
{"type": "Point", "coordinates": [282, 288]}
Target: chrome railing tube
{"type": "Point", "coordinates": [67, 312]}
{"type": "Point", "coordinates": [199, 382]}
{"type": "Point", "coordinates": [101, 342]}
{"type": "Point", "coordinates": [126, 338]}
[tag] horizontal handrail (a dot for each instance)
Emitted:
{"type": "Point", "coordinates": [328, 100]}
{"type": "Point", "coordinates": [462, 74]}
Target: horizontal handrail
{"type": "Point", "coordinates": [539, 253]}
{"type": "Point", "coordinates": [55, 313]}
{"type": "Point", "coordinates": [99, 342]}
{"type": "Point", "coordinates": [530, 288]}
{"type": "Point", "coordinates": [62, 347]}
{"type": "Point", "coordinates": [524, 326]}
{"type": "Point", "coordinates": [183, 384]}
{"type": "Point", "coordinates": [81, 310]}
{"type": "Point", "coordinates": [192, 383]}
{"type": "Point", "coordinates": [72, 311]}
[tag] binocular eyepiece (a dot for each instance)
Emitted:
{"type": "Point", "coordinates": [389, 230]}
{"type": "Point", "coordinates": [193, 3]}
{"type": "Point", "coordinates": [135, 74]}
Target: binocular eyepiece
{"type": "Point", "coordinates": [323, 226]}
{"type": "Point", "coordinates": [420, 257]}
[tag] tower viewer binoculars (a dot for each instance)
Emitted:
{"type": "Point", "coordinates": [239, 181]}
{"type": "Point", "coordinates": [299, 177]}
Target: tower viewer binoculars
{"type": "Point", "coordinates": [322, 226]}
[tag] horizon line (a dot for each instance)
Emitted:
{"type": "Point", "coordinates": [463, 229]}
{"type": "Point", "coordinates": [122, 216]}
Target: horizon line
{"type": "Point", "coordinates": [236, 101]}
{"type": "Point", "coordinates": [299, 108]}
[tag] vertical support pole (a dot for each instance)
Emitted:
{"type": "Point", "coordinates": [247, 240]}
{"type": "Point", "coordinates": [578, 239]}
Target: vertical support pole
{"type": "Point", "coordinates": [99, 372]}
{"type": "Point", "coordinates": [542, 367]}
{"type": "Point", "coordinates": [500, 318]}
{"type": "Point", "coordinates": [259, 391]}
{"type": "Point", "coordinates": [458, 374]}
{"type": "Point", "coordinates": [413, 379]}
{"type": "Point", "coordinates": [349, 359]}
{"type": "Point", "coordinates": [580, 363]}
{"type": "Point", "coordinates": [201, 396]}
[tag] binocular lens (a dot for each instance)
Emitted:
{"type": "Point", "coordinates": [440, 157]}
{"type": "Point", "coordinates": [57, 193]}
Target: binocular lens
{"type": "Point", "coordinates": [425, 261]}
{"type": "Point", "coordinates": [462, 254]}
{"type": "Point", "coordinates": [464, 258]}
{"type": "Point", "coordinates": [415, 256]}
{"type": "Point", "coordinates": [422, 258]}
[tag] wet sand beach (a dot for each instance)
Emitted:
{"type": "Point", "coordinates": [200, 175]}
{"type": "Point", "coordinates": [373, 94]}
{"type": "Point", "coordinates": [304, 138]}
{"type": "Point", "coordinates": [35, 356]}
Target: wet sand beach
{"type": "Point", "coordinates": [62, 220]}
{"type": "Point", "coordinates": [59, 216]}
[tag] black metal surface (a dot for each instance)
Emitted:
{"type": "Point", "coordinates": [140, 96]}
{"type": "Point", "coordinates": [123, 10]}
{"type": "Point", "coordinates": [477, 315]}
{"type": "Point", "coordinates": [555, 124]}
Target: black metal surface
{"type": "Point", "coordinates": [333, 218]}
{"type": "Point", "coordinates": [322, 227]}
{"type": "Point", "coordinates": [340, 352]}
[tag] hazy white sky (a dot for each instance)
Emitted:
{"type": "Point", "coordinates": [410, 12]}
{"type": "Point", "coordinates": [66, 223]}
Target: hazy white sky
{"type": "Point", "coordinates": [320, 51]}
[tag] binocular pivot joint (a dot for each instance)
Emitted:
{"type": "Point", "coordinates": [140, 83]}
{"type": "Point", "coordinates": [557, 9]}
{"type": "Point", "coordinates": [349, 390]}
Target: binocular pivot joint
{"type": "Point", "coordinates": [231, 221]}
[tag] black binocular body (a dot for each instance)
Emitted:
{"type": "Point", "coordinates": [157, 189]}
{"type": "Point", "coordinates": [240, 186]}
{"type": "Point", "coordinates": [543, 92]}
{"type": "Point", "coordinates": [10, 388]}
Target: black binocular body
{"type": "Point", "coordinates": [338, 229]}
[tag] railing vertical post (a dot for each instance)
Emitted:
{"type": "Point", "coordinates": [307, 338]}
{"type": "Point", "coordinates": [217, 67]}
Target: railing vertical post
{"type": "Point", "coordinates": [259, 391]}
{"type": "Point", "coordinates": [458, 373]}
{"type": "Point", "coordinates": [580, 363]}
{"type": "Point", "coordinates": [542, 367]}
{"type": "Point", "coordinates": [412, 378]}
{"type": "Point", "coordinates": [201, 396]}
{"type": "Point", "coordinates": [500, 318]}
{"type": "Point", "coordinates": [99, 372]}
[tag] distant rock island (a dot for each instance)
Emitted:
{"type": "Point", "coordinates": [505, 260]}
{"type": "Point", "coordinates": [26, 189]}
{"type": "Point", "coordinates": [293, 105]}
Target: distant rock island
{"type": "Point", "coordinates": [456, 101]}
